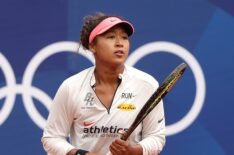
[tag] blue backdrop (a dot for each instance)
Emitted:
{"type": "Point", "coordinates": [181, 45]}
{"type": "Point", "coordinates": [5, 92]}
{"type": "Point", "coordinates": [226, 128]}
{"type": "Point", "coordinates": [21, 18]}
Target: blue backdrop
{"type": "Point", "coordinates": [38, 41]}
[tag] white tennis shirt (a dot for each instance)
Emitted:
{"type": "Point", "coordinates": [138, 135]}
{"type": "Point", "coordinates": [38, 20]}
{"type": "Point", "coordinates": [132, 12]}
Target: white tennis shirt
{"type": "Point", "coordinates": [77, 113]}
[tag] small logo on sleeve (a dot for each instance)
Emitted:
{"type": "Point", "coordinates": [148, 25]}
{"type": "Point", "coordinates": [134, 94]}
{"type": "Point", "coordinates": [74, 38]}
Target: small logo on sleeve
{"type": "Point", "coordinates": [159, 121]}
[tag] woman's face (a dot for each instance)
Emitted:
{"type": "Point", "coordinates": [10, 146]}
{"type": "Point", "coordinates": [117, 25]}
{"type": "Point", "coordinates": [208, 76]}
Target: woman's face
{"type": "Point", "coordinates": [112, 47]}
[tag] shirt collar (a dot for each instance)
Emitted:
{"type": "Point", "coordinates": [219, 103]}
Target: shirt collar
{"type": "Point", "coordinates": [93, 79]}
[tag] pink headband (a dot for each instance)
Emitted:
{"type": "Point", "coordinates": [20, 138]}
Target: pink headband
{"type": "Point", "coordinates": [108, 23]}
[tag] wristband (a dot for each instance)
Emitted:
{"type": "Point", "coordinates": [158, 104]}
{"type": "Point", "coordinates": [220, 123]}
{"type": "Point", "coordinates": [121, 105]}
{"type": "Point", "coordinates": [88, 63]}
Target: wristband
{"type": "Point", "coordinates": [81, 152]}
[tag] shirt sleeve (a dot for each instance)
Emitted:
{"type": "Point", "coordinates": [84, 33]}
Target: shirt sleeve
{"type": "Point", "coordinates": [153, 131]}
{"type": "Point", "coordinates": [58, 124]}
{"type": "Point", "coordinates": [153, 134]}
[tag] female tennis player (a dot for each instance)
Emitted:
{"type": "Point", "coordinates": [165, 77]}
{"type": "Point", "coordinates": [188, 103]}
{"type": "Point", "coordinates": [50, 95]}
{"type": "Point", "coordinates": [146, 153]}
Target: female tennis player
{"type": "Point", "coordinates": [92, 108]}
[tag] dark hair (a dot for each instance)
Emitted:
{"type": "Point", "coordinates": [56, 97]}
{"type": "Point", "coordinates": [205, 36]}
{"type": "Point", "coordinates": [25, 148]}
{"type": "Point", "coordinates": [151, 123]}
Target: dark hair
{"type": "Point", "coordinates": [90, 22]}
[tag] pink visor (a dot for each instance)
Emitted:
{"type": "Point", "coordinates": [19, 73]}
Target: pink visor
{"type": "Point", "coordinates": [108, 23]}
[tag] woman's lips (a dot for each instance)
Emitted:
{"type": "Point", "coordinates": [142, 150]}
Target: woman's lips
{"type": "Point", "coordinates": [119, 53]}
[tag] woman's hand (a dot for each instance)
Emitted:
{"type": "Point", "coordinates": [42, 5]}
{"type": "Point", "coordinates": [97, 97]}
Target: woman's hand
{"type": "Point", "coordinates": [121, 147]}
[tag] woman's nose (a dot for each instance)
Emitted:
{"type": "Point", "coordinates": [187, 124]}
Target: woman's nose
{"type": "Point", "coordinates": [119, 41]}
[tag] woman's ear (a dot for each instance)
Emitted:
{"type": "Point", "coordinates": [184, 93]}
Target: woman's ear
{"type": "Point", "coordinates": [92, 48]}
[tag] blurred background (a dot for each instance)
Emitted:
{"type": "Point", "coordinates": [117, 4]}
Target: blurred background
{"type": "Point", "coordinates": [39, 49]}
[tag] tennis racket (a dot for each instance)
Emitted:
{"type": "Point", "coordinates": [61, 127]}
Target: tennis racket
{"type": "Point", "coordinates": [153, 101]}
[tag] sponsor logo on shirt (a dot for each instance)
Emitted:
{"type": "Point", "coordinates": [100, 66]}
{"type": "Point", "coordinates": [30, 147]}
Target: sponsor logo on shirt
{"type": "Point", "coordinates": [101, 131]}
{"type": "Point", "coordinates": [126, 107]}
{"type": "Point", "coordinates": [89, 101]}
{"type": "Point", "coordinates": [88, 123]}
{"type": "Point", "coordinates": [127, 95]}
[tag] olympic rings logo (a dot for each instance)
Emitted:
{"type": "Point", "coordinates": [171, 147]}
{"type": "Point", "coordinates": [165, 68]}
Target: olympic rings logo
{"type": "Point", "coordinates": [28, 91]}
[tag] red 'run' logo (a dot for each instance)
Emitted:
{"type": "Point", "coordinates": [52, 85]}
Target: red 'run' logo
{"type": "Point", "coordinates": [88, 124]}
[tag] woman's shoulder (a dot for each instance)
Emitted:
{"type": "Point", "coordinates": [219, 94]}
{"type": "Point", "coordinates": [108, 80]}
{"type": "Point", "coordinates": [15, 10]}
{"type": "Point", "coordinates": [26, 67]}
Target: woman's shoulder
{"type": "Point", "coordinates": [80, 76]}
{"type": "Point", "coordinates": [141, 75]}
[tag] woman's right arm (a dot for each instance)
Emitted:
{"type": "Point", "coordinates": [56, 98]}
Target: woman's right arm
{"type": "Point", "coordinates": [58, 124]}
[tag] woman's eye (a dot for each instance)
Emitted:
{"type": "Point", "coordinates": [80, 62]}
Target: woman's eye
{"type": "Point", "coordinates": [110, 36]}
{"type": "Point", "coordinates": [125, 37]}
